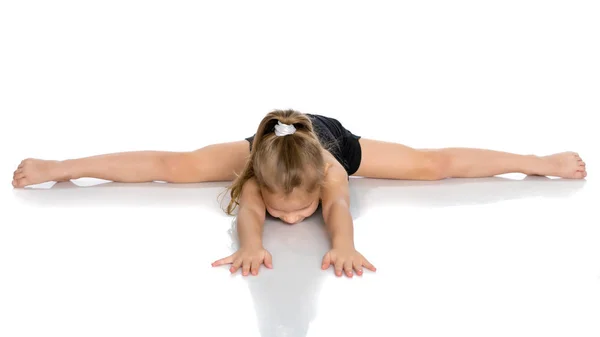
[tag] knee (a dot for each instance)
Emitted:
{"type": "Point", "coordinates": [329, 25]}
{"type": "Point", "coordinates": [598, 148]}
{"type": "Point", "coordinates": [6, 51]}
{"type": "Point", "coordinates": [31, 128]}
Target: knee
{"type": "Point", "coordinates": [436, 165]}
{"type": "Point", "coordinates": [170, 166]}
{"type": "Point", "coordinates": [180, 167]}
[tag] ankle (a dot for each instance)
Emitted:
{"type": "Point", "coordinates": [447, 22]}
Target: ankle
{"type": "Point", "coordinates": [66, 170]}
{"type": "Point", "coordinates": [534, 165]}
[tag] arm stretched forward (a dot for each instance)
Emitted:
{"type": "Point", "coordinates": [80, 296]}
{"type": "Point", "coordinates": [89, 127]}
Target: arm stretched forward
{"type": "Point", "coordinates": [250, 222]}
{"type": "Point", "coordinates": [335, 202]}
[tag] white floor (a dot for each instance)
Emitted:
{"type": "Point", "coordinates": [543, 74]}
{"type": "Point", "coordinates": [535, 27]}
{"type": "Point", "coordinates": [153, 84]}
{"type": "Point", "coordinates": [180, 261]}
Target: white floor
{"type": "Point", "coordinates": [469, 257]}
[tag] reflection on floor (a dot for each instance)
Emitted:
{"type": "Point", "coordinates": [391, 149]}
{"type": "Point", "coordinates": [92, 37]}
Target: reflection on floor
{"type": "Point", "coordinates": [296, 298]}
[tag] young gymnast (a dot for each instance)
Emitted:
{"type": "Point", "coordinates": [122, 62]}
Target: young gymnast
{"type": "Point", "coordinates": [291, 165]}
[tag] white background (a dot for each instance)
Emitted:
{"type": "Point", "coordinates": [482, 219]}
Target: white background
{"type": "Point", "coordinates": [483, 257]}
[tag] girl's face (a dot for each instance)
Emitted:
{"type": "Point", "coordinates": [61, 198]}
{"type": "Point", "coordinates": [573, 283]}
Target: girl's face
{"type": "Point", "coordinates": [292, 208]}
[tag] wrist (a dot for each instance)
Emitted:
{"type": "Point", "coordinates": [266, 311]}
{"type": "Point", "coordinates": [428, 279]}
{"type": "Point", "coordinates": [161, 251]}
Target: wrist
{"type": "Point", "coordinates": [251, 243]}
{"type": "Point", "coordinates": [342, 242]}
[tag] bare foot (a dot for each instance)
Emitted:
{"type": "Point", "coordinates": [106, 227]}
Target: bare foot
{"type": "Point", "coordinates": [564, 165]}
{"type": "Point", "coordinates": [37, 171]}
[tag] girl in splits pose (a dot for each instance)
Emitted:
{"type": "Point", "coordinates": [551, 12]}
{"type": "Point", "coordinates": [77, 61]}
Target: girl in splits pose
{"type": "Point", "coordinates": [291, 165]}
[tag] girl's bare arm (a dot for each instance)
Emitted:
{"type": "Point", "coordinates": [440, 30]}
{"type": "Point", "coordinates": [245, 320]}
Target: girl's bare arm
{"type": "Point", "coordinates": [250, 220]}
{"type": "Point", "coordinates": [338, 220]}
{"type": "Point", "coordinates": [335, 203]}
{"type": "Point", "coordinates": [251, 215]}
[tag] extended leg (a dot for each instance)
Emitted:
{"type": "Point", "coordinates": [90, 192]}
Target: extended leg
{"type": "Point", "coordinates": [216, 162]}
{"type": "Point", "coordinates": [395, 161]}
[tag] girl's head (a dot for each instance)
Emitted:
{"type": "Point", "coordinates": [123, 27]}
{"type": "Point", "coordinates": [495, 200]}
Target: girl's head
{"type": "Point", "coordinates": [288, 164]}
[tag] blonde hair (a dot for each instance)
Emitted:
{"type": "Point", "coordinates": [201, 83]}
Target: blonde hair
{"type": "Point", "coordinates": [281, 163]}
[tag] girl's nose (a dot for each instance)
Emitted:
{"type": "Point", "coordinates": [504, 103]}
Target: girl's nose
{"type": "Point", "coordinates": [292, 219]}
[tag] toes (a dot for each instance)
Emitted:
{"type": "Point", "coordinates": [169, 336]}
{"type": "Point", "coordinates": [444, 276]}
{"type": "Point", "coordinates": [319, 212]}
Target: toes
{"type": "Point", "coordinates": [18, 175]}
{"type": "Point", "coordinates": [25, 162]}
{"type": "Point", "coordinates": [20, 182]}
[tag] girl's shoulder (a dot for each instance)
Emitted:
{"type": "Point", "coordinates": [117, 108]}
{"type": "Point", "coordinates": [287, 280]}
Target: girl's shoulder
{"type": "Point", "coordinates": [251, 196]}
{"type": "Point", "coordinates": [250, 184]}
{"type": "Point", "coordinates": [334, 170]}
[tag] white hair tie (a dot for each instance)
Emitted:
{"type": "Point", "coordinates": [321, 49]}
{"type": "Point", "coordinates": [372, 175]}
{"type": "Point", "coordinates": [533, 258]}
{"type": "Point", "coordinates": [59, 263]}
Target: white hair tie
{"type": "Point", "coordinates": [284, 129]}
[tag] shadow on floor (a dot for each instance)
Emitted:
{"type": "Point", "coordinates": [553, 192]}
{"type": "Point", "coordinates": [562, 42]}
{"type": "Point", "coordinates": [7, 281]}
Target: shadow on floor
{"type": "Point", "coordinates": [456, 192]}
{"type": "Point", "coordinates": [285, 297]}
{"type": "Point", "coordinates": [364, 192]}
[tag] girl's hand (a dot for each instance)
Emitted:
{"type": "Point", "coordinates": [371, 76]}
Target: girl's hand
{"type": "Point", "coordinates": [346, 259]}
{"type": "Point", "coordinates": [249, 259]}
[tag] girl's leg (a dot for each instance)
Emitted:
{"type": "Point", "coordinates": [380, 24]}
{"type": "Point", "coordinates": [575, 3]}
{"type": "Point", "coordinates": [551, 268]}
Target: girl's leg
{"type": "Point", "coordinates": [395, 161]}
{"type": "Point", "coordinates": [216, 162]}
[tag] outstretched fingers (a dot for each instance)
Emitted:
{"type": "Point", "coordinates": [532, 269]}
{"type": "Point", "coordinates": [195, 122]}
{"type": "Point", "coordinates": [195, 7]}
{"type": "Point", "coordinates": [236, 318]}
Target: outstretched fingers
{"type": "Point", "coordinates": [268, 260]}
{"type": "Point", "coordinates": [254, 267]}
{"type": "Point", "coordinates": [348, 266]}
{"type": "Point", "coordinates": [358, 267]}
{"type": "Point", "coordinates": [339, 268]}
{"type": "Point", "coordinates": [237, 264]}
{"type": "Point", "coordinates": [248, 263]}
{"type": "Point", "coordinates": [246, 267]}
{"type": "Point", "coordinates": [368, 265]}
{"type": "Point", "coordinates": [326, 261]}
{"type": "Point", "coordinates": [225, 260]}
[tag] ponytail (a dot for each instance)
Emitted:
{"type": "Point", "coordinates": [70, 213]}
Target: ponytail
{"type": "Point", "coordinates": [283, 160]}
